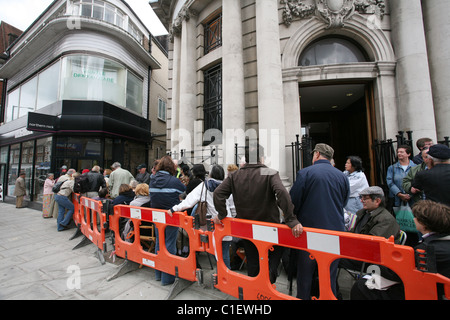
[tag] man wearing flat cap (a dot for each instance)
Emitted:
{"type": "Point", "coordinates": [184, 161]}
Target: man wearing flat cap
{"type": "Point", "coordinates": [143, 176]}
{"type": "Point", "coordinates": [373, 219]}
{"type": "Point", "coordinates": [319, 195]}
{"type": "Point", "coordinates": [435, 183]}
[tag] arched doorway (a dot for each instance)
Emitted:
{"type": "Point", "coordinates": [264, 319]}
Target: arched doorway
{"type": "Point", "coordinates": [338, 112]}
{"type": "Point", "coordinates": [359, 65]}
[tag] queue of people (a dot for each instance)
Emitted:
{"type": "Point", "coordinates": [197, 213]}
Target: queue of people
{"type": "Point", "coordinates": [321, 197]}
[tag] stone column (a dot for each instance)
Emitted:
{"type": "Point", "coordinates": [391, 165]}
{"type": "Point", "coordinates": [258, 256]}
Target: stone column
{"type": "Point", "coordinates": [175, 105]}
{"type": "Point", "coordinates": [233, 98]}
{"type": "Point", "coordinates": [188, 81]}
{"type": "Point", "coordinates": [437, 29]}
{"type": "Point", "coordinates": [415, 102]}
{"type": "Point", "coordinates": [270, 85]}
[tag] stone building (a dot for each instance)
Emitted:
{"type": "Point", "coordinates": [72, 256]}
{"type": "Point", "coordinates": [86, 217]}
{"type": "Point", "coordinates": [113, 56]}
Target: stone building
{"type": "Point", "coordinates": [85, 85]}
{"type": "Point", "coordinates": [344, 72]}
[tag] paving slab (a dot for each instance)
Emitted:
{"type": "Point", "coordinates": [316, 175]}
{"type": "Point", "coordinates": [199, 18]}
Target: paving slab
{"type": "Point", "coordinates": [38, 262]}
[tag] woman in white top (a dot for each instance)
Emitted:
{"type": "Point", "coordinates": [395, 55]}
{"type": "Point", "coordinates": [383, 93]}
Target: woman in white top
{"type": "Point", "coordinates": [204, 192]}
{"type": "Point", "coordinates": [358, 182]}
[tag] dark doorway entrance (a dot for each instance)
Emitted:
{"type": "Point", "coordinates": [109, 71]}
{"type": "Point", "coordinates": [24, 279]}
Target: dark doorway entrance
{"type": "Point", "coordinates": [340, 115]}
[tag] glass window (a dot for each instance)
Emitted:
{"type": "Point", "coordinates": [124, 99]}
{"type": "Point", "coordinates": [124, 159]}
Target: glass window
{"type": "Point", "coordinates": [98, 12]}
{"type": "Point", "coordinates": [13, 172]}
{"type": "Point", "coordinates": [28, 93]}
{"type": "Point", "coordinates": [48, 86]}
{"type": "Point", "coordinates": [134, 93]}
{"type": "Point", "coordinates": [110, 13]}
{"type": "Point", "coordinates": [331, 51]}
{"type": "Point", "coordinates": [213, 34]}
{"type": "Point", "coordinates": [27, 164]}
{"type": "Point", "coordinates": [4, 155]}
{"type": "Point", "coordinates": [120, 19]}
{"type": "Point", "coordinates": [42, 166]}
{"type": "Point", "coordinates": [13, 105]}
{"type": "Point", "coordinates": [213, 99]}
{"type": "Point", "coordinates": [86, 10]}
{"type": "Point", "coordinates": [161, 109]}
{"type": "Point", "coordinates": [93, 78]}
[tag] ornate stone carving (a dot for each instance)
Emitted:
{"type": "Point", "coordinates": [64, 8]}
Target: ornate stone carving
{"type": "Point", "coordinates": [333, 12]}
{"type": "Point", "coordinates": [185, 14]}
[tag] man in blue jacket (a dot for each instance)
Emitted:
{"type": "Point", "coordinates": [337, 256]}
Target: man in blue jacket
{"type": "Point", "coordinates": [319, 195]}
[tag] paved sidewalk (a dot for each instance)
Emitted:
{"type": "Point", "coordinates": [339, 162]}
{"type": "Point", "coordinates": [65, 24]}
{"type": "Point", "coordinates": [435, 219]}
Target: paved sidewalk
{"type": "Point", "coordinates": [37, 262]}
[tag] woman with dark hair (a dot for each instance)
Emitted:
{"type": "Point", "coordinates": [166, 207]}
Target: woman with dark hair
{"type": "Point", "coordinates": [204, 192]}
{"type": "Point", "coordinates": [126, 195]}
{"type": "Point", "coordinates": [358, 182]}
{"type": "Point", "coordinates": [198, 176]}
{"type": "Point", "coordinates": [165, 191]}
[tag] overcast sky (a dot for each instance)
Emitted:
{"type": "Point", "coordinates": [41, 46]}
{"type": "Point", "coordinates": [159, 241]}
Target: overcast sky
{"type": "Point", "coordinates": [22, 13]}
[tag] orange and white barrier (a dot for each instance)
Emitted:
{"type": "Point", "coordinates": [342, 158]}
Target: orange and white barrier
{"type": "Point", "coordinates": [184, 268]}
{"type": "Point", "coordinates": [323, 245]}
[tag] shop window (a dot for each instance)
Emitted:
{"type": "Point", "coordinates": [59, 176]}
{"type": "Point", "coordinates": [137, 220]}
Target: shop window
{"type": "Point", "coordinates": [42, 154]}
{"type": "Point", "coordinates": [94, 78]}
{"type": "Point", "coordinates": [13, 105]}
{"type": "Point", "coordinates": [48, 86]}
{"type": "Point", "coordinates": [134, 93]}
{"type": "Point", "coordinates": [13, 170]}
{"type": "Point", "coordinates": [26, 165]}
{"type": "Point", "coordinates": [36, 93]}
{"type": "Point", "coordinates": [28, 93]}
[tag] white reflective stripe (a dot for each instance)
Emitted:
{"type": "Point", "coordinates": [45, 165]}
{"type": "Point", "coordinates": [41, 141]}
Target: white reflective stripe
{"type": "Point", "coordinates": [262, 233]}
{"type": "Point", "coordinates": [135, 213]}
{"type": "Point", "coordinates": [323, 242]}
{"type": "Point", "coordinates": [159, 216]}
{"type": "Point", "coordinates": [149, 263]}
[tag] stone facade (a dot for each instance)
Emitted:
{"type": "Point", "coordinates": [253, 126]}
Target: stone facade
{"type": "Point", "coordinates": [262, 42]}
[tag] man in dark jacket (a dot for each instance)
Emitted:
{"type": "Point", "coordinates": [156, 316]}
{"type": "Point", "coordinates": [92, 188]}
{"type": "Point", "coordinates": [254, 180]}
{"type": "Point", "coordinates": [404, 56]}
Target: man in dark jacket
{"type": "Point", "coordinates": [143, 176]}
{"type": "Point", "coordinates": [373, 219]}
{"type": "Point", "coordinates": [257, 194]}
{"type": "Point", "coordinates": [435, 183]}
{"type": "Point", "coordinates": [96, 182]}
{"type": "Point", "coordinates": [319, 195]}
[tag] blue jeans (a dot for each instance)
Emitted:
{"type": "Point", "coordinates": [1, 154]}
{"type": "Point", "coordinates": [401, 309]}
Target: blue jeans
{"type": "Point", "coordinates": [226, 253]}
{"type": "Point", "coordinates": [63, 204]}
{"type": "Point", "coordinates": [171, 245]}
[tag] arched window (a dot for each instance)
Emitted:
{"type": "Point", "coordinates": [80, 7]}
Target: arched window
{"type": "Point", "coordinates": [331, 51]}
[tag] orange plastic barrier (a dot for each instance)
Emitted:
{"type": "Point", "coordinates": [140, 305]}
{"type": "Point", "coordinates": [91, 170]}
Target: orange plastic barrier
{"type": "Point", "coordinates": [184, 268]}
{"type": "Point", "coordinates": [91, 221]}
{"type": "Point", "coordinates": [325, 246]}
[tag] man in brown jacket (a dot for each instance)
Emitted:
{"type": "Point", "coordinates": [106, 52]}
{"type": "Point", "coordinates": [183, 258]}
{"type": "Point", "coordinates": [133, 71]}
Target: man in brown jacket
{"type": "Point", "coordinates": [257, 192]}
{"type": "Point", "coordinates": [20, 191]}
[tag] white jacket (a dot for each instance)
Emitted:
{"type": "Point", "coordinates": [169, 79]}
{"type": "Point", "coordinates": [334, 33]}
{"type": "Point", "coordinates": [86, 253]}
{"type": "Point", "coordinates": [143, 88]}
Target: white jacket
{"type": "Point", "coordinates": [194, 197]}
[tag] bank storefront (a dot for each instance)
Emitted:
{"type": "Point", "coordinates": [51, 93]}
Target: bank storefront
{"type": "Point", "coordinates": [81, 110]}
